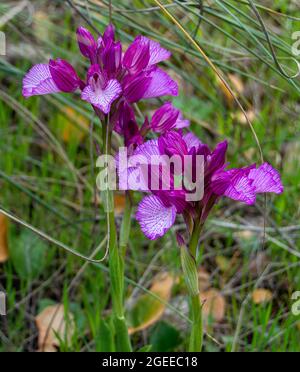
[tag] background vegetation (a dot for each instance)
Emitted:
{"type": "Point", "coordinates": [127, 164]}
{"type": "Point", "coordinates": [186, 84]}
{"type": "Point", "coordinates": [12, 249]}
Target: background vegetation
{"type": "Point", "coordinates": [47, 178]}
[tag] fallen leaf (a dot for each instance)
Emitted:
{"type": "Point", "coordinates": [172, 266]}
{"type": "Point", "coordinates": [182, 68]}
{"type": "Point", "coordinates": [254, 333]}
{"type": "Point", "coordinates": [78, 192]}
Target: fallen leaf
{"type": "Point", "coordinates": [214, 305]}
{"type": "Point", "coordinates": [52, 325]}
{"type": "Point", "coordinates": [148, 310]}
{"type": "Point", "coordinates": [4, 254]}
{"type": "Point", "coordinates": [261, 296]}
{"type": "Point", "coordinates": [204, 279]}
{"type": "Point", "coordinates": [245, 235]}
{"type": "Point", "coordinates": [120, 201]}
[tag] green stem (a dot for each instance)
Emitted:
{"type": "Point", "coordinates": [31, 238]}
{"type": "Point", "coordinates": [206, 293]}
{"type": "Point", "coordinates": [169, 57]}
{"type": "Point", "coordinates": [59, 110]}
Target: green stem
{"type": "Point", "coordinates": [195, 240]}
{"type": "Point", "coordinates": [196, 338]}
{"type": "Point", "coordinates": [116, 264]}
{"type": "Point", "coordinates": [126, 225]}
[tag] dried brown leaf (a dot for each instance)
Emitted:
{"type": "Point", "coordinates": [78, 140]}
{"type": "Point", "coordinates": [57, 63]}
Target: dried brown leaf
{"type": "Point", "coordinates": [52, 322]}
{"type": "Point", "coordinates": [153, 309]}
{"type": "Point", "coordinates": [4, 253]}
{"type": "Point", "coordinates": [214, 305]}
{"type": "Point", "coordinates": [261, 296]}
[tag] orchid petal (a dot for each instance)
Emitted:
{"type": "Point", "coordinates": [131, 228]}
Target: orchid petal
{"type": "Point", "coordinates": [241, 189]}
{"type": "Point", "coordinates": [164, 119]}
{"type": "Point", "coordinates": [154, 217]}
{"type": "Point", "coordinates": [161, 85]}
{"type": "Point", "coordinates": [172, 143]}
{"type": "Point", "coordinates": [64, 75]}
{"type": "Point", "coordinates": [102, 98]}
{"type": "Point", "coordinates": [157, 52]}
{"type": "Point", "coordinates": [266, 179]}
{"type": "Point", "coordinates": [39, 81]}
{"type": "Point", "coordinates": [182, 123]}
{"type": "Point", "coordinates": [192, 141]}
{"type": "Point", "coordinates": [137, 56]}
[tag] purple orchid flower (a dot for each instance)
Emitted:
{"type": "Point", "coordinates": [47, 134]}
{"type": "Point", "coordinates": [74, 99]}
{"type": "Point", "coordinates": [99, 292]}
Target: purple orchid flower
{"type": "Point", "coordinates": [167, 118]}
{"type": "Point", "coordinates": [157, 212]}
{"type": "Point", "coordinates": [100, 91]}
{"type": "Point", "coordinates": [111, 78]}
{"type": "Point", "coordinates": [57, 76]}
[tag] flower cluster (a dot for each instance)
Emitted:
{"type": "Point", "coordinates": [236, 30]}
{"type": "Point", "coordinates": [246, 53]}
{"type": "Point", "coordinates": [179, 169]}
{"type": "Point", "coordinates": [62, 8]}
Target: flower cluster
{"type": "Point", "coordinates": [157, 212]}
{"type": "Point", "coordinates": [113, 78]}
{"type": "Point", "coordinates": [114, 82]}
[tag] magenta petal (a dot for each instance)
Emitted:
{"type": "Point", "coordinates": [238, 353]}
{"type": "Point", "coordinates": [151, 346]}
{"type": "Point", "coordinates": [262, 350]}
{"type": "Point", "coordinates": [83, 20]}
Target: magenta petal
{"type": "Point", "coordinates": [64, 75]}
{"type": "Point", "coordinates": [164, 119]}
{"type": "Point", "coordinates": [38, 81]}
{"type": "Point", "coordinates": [266, 179]}
{"type": "Point", "coordinates": [146, 51]}
{"type": "Point", "coordinates": [125, 114]}
{"type": "Point", "coordinates": [136, 86]}
{"type": "Point", "coordinates": [181, 122]}
{"type": "Point", "coordinates": [161, 85]}
{"type": "Point", "coordinates": [109, 34]}
{"type": "Point", "coordinates": [137, 56]}
{"type": "Point", "coordinates": [217, 159]}
{"type": "Point", "coordinates": [241, 189]}
{"type": "Point", "coordinates": [172, 143]}
{"type": "Point", "coordinates": [157, 52]}
{"type": "Point", "coordinates": [192, 141]}
{"type": "Point", "coordinates": [148, 149]}
{"type": "Point", "coordinates": [102, 98]}
{"type": "Point", "coordinates": [144, 156]}
{"type": "Point", "coordinates": [154, 217]}
{"type": "Point", "coordinates": [111, 58]}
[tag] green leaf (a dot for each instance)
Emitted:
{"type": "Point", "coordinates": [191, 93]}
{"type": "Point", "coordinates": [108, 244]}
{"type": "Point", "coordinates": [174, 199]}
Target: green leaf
{"type": "Point", "coordinates": [145, 349]}
{"type": "Point", "coordinates": [190, 271]}
{"type": "Point", "coordinates": [28, 255]}
{"type": "Point", "coordinates": [165, 338]}
{"type": "Point", "coordinates": [105, 337]}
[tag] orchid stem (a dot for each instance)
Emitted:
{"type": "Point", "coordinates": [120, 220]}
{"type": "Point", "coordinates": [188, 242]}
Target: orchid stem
{"type": "Point", "coordinates": [196, 338]}
{"type": "Point", "coordinates": [116, 262]}
{"type": "Point", "coordinates": [194, 242]}
{"type": "Point", "coordinates": [126, 225]}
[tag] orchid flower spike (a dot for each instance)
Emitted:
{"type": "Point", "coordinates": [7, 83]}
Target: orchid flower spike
{"type": "Point", "coordinates": [112, 77]}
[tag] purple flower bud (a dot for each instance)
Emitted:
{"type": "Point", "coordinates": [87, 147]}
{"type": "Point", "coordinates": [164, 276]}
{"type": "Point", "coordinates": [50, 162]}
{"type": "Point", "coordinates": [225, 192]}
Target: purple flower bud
{"type": "Point", "coordinates": [109, 34]}
{"type": "Point", "coordinates": [86, 42]}
{"type": "Point", "coordinates": [64, 75]}
{"type": "Point", "coordinates": [165, 118]}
